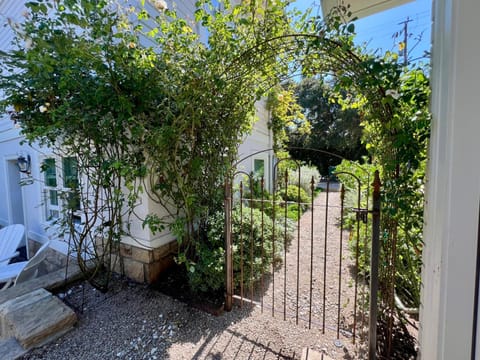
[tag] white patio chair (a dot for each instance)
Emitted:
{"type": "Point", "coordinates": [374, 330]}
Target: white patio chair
{"type": "Point", "coordinates": [23, 271]}
{"type": "Point", "coordinates": [11, 237]}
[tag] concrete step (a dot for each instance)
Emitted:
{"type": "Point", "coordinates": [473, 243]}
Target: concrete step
{"type": "Point", "coordinates": [10, 349]}
{"type": "Point", "coordinates": [35, 318]}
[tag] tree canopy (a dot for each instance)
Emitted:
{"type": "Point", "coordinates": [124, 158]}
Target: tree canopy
{"type": "Point", "coordinates": [333, 129]}
{"type": "Point", "coordinates": [139, 99]}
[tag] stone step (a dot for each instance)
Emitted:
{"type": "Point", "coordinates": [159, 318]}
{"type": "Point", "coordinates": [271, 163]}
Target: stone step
{"type": "Point", "coordinates": [309, 354]}
{"type": "Point", "coordinates": [35, 318]}
{"type": "Point", "coordinates": [10, 349]}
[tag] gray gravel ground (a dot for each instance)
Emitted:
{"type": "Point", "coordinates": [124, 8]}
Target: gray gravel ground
{"type": "Point", "coordinates": [133, 321]}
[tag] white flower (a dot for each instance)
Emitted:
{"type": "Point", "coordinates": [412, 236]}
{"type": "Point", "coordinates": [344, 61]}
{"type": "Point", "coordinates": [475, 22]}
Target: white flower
{"type": "Point", "coordinates": [28, 43]}
{"type": "Point", "coordinates": [42, 108]}
{"type": "Point", "coordinates": [393, 93]}
{"type": "Point", "coordinates": [160, 5]}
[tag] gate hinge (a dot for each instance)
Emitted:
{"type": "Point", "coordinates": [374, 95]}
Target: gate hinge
{"type": "Point", "coordinates": [362, 214]}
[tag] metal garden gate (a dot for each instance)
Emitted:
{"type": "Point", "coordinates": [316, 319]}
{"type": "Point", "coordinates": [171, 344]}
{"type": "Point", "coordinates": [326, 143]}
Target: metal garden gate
{"type": "Point", "coordinates": [306, 255]}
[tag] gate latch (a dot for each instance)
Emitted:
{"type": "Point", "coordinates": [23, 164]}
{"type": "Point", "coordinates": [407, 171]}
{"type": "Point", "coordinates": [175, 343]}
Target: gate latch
{"type": "Point", "coordinates": [362, 214]}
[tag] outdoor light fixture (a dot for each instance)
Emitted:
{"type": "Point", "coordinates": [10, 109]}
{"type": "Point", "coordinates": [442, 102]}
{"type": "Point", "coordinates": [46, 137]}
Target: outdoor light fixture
{"type": "Point", "coordinates": [23, 164]}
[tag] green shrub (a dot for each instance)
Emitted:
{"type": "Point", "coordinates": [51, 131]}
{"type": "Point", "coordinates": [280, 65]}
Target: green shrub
{"type": "Point", "coordinates": [292, 194]}
{"type": "Point", "coordinates": [269, 205]}
{"type": "Point", "coordinates": [364, 172]}
{"type": "Point", "coordinates": [294, 212]}
{"type": "Point", "coordinates": [305, 179]}
{"type": "Point", "coordinates": [408, 233]}
{"type": "Point", "coordinates": [295, 194]}
{"type": "Point", "coordinates": [207, 272]}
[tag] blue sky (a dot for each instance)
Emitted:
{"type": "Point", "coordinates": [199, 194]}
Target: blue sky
{"type": "Point", "coordinates": [377, 30]}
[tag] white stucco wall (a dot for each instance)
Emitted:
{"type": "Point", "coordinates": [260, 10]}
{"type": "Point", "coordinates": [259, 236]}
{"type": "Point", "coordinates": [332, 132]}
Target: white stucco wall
{"type": "Point", "coordinates": [18, 204]}
{"type": "Point", "coordinates": [453, 188]}
{"type": "Point", "coordinates": [259, 140]}
{"type": "Point", "coordinates": [142, 236]}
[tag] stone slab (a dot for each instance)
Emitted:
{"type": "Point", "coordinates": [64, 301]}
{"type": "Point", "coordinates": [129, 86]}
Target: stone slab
{"type": "Point", "coordinates": [10, 349]}
{"type": "Point", "coordinates": [35, 318]}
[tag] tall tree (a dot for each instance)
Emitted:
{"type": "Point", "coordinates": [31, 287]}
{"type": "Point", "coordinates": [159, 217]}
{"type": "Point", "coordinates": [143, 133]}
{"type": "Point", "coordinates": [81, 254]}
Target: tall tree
{"type": "Point", "coordinates": [333, 129]}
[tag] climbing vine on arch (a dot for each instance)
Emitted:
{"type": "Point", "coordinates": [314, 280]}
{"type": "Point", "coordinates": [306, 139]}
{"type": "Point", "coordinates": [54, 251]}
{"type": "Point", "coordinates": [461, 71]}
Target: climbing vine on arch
{"type": "Point", "coordinates": [393, 103]}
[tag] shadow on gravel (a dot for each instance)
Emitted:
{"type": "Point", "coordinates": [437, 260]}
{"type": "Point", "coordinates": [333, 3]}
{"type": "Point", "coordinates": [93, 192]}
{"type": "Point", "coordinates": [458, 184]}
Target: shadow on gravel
{"type": "Point", "coordinates": [246, 346]}
{"type": "Point", "coordinates": [242, 333]}
{"type": "Point", "coordinates": [167, 321]}
{"type": "Point", "coordinates": [134, 321]}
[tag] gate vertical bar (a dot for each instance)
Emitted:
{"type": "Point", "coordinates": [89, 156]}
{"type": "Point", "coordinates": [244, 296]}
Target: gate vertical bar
{"type": "Point", "coordinates": [342, 204]}
{"type": "Point", "coordinates": [285, 252]}
{"type": "Point", "coordinates": [263, 240]}
{"type": "Point", "coordinates": [374, 260]}
{"type": "Point", "coordinates": [312, 184]}
{"type": "Point", "coordinates": [240, 238]}
{"type": "Point", "coordinates": [357, 259]}
{"type": "Point", "coordinates": [325, 258]}
{"type": "Point", "coordinates": [251, 241]}
{"type": "Point", "coordinates": [228, 247]}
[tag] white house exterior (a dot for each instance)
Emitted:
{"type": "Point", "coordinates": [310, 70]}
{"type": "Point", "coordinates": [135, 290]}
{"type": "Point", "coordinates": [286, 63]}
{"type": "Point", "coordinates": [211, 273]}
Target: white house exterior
{"type": "Point", "coordinates": [144, 254]}
{"type": "Point", "coordinates": [16, 200]}
{"type": "Point", "coordinates": [449, 327]}
{"type": "Point", "coordinates": [256, 150]}
{"type": "Point", "coordinates": [362, 8]}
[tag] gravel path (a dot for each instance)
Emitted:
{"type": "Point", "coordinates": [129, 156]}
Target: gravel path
{"type": "Point", "coordinates": [133, 321]}
{"type": "Point", "coordinates": [322, 298]}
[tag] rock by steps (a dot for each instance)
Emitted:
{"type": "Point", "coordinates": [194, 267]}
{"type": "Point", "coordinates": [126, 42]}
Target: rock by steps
{"type": "Point", "coordinates": [33, 319]}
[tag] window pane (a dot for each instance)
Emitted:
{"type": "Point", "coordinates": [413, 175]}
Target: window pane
{"type": "Point", "coordinates": [259, 167]}
{"type": "Point", "coordinates": [50, 172]}
{"type": "Point", "coordinates": [70, 178]}
{"type": "Point", "coordinates": [53, 197]}
{"type": "Point", "coordinates": [73, 200]}
{"type": "Point", "coordinates": [53, 214]}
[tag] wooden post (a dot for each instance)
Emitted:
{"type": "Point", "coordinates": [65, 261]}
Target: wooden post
{"type": "Point", "coordinates": [228, 248]}
{"type": "Point", "coordinates": [374, 260]}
